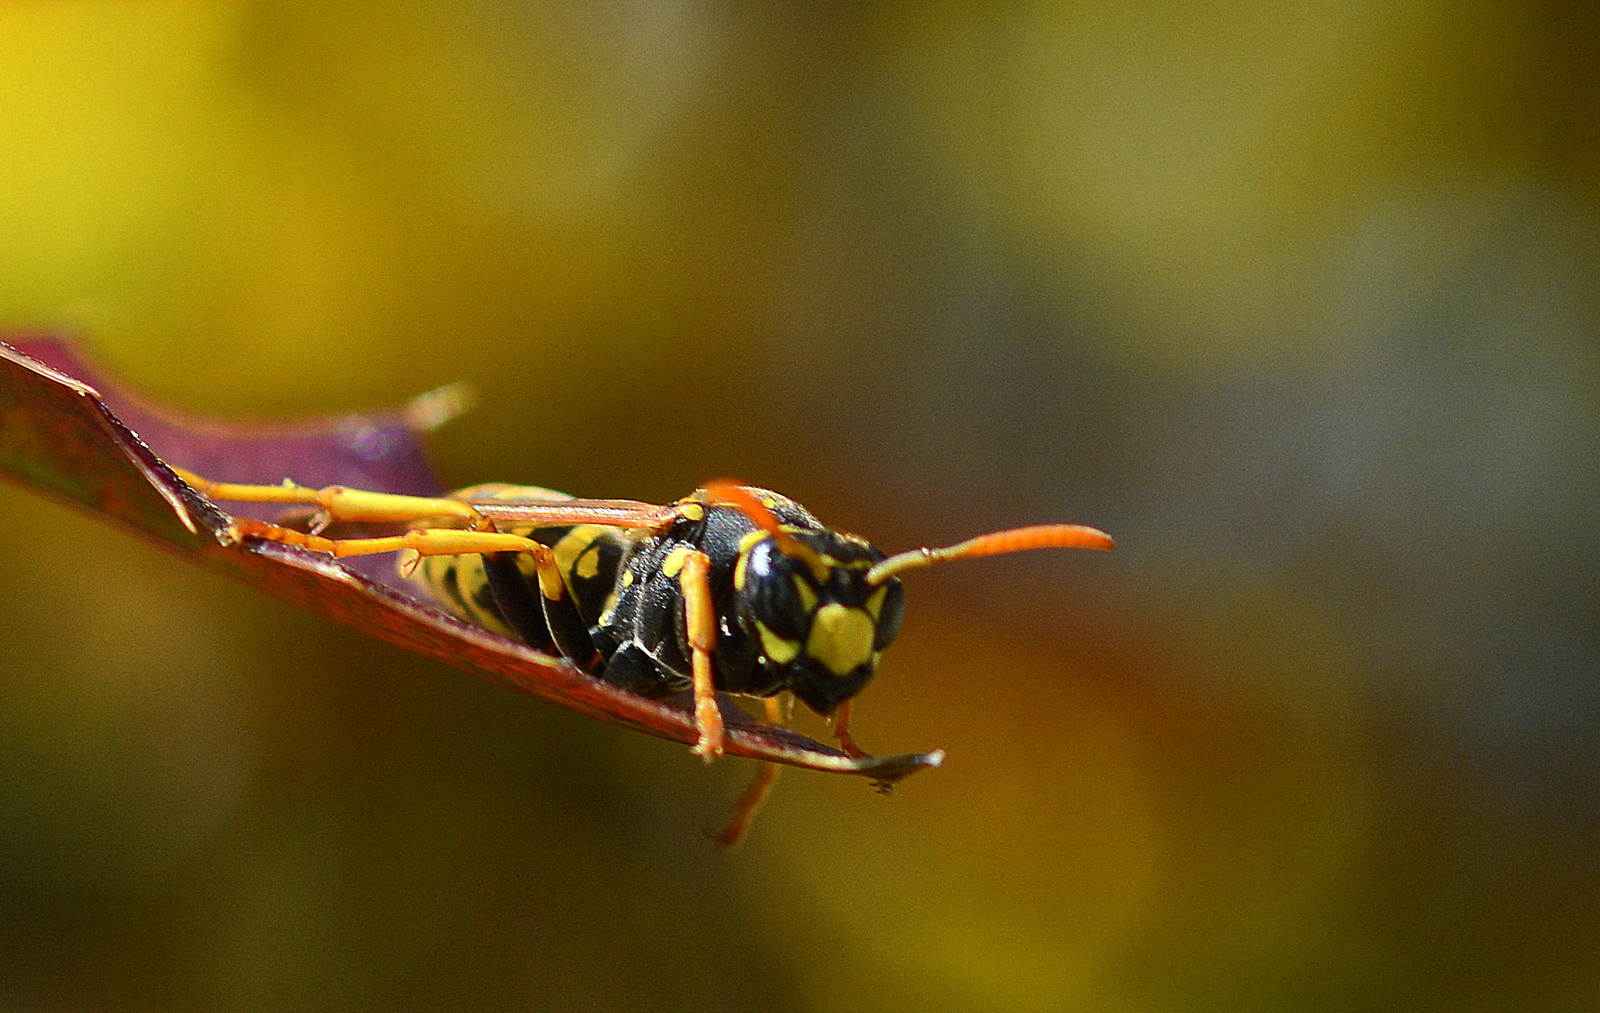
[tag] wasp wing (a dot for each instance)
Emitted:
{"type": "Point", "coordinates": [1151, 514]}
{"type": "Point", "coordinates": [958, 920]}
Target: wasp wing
{"type": "Point", "coordinates": [529, 506]}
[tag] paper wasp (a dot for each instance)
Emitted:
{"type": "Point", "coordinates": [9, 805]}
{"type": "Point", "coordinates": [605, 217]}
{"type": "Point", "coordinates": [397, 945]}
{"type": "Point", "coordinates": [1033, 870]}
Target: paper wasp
{"type": "Point", "coordinates": [732, 589]}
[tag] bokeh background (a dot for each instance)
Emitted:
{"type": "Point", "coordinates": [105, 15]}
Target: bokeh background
{"type": "Point", "coordinates": [1298, 301]}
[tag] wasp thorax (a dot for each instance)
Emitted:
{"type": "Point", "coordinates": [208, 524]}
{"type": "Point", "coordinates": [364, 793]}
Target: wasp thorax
{"type": "Point", "coordinates": [821, 624]}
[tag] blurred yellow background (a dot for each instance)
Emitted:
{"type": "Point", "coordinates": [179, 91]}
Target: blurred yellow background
{"type": "Point", "coordinates": [1300, 303]}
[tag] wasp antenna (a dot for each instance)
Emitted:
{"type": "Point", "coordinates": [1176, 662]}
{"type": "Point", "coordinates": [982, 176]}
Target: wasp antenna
{"type": "Point", "coordinates": [729, 492]}
{"type": "Point", "coordinates": [1042, 536]}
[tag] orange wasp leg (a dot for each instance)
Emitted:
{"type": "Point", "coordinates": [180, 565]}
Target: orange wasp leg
{"type": "Point", "coordinates": [422, 541]}
{"type": "Point", "coordinates": [744, 812]}
{"type": "Point", "coordinates": [700, 617]}
{"type": "Point", "coordinates": [841, 732]}
{"type": "Point", "coordinates": [847, 743]}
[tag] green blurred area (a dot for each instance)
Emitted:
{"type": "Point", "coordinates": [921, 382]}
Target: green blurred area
{"type": "Point", "coordinates": [1299, 303]}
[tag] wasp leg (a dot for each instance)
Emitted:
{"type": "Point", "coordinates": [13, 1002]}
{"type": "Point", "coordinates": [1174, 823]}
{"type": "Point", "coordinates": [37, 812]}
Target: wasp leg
{"type": "Point", "coordinates": [841, 732]}
{"type": "Point", "coordinates": [337, 503]}
{"type": "Point", "coordinates": [565, 623]}
{"type": "Point", "coordinates": [847, 742]}
{"type": "Point", "coordinates": [744, 813]}
{"type": "Point", "coordinates": [700, 618]}
{"type": "Point", "coordinates": [422, 541]}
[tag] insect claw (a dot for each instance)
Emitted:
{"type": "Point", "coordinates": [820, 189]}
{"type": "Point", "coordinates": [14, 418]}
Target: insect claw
{"type": "Point", "coordinates": [709, 748]}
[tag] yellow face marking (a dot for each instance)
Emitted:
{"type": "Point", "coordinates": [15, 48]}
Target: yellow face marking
{"type": "Point", "coordinates": [750, 540]}
{"type": "Point", "coordinates": [808, 597]}
{"type": "Point", "coordinates": [781, 651]}
{"type": "Point", "coordinates": [841, 638]}
{"type": "Point", "coordinates": [746, 543]}
{"type": "Point", "coordinates": [674, 561]}
{"type": "Point", "coordinates": [817, 562]}
{"type": "Point", "coordinates": [627, 578]}
{"type": "Point", "coordinates": [875, 603]}
{"type": "Point", "coordinates": [768, 502]}
{"type": "Point", "coordinates": [854, 564]}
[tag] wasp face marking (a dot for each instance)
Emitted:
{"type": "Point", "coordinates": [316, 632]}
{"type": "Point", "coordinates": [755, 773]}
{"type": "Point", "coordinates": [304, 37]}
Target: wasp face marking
{"type": "Point", "coordinates": [820, 632]}
{"type": "Point", "coordinates": [841, 638]}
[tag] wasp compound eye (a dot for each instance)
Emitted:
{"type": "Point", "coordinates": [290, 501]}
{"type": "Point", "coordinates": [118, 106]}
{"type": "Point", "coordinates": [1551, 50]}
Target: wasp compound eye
{"type": "Point", "coordinates": [779, 595]}
{"type": "Point", "coordinates": [891, 610]}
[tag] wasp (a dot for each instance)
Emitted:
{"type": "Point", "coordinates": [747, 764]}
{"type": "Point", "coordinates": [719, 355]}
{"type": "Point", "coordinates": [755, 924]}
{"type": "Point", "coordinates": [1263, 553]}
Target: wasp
{"type": "Point", "coordinates": [732, 589]}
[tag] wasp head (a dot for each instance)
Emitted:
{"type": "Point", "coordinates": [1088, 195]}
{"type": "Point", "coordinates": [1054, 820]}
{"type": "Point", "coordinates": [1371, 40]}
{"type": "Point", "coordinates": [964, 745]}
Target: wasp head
{"type": "Point", "coordinates": [822, 623]}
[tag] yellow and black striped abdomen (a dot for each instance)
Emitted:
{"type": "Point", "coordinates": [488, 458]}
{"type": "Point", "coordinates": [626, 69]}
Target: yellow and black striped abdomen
{"type": "Point", "coordinates": [588, 556]}
{"type": "Point", "coordinates": [458, 584]}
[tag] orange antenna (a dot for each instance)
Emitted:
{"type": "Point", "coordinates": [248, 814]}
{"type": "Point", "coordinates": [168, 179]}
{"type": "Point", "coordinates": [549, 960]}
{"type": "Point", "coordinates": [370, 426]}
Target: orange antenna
{"type": "Point", "coordinates": [1043, 536]}
{"type": "Point", "coordinates": [728, 492]}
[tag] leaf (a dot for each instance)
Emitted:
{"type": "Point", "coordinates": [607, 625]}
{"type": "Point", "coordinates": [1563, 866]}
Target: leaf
{"type": "Point", "coordinates": [60, 436]}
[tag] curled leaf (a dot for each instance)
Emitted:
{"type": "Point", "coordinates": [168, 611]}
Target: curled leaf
{"type": "Point", "coordinates": [60, 435]}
